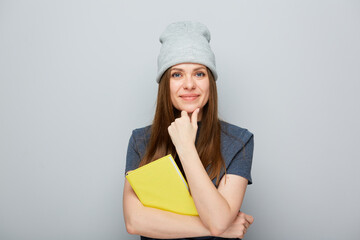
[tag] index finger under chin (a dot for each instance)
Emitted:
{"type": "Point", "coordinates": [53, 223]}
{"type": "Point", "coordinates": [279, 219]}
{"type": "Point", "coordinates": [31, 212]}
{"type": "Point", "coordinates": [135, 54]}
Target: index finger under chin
{"type": "Point", "coordinates": [184, 114]}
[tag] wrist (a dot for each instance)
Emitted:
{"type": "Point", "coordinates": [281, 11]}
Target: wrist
{"type": "Point", "coordinates": [186, 152]}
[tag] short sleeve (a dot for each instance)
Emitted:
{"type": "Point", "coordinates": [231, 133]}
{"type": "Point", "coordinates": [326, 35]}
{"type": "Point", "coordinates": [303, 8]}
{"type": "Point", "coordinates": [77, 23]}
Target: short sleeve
{"type": "Point", "coordinates": [132, 156]}
{"type": "Point", "coordinates": [242, 161]}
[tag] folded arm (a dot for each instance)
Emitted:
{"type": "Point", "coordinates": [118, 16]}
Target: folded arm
{"type": "Point", "coordinates": [156, 223]}
{"type": "Point", "coordinates": [217, 208]}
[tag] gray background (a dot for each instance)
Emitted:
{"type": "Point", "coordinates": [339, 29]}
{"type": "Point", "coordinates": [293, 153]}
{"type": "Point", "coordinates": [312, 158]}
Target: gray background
{"type": "Point", "coordinates": [77, 76]}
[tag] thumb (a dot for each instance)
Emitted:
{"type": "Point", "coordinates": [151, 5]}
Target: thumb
{"type": "Point", "coordinates": [194, 117]}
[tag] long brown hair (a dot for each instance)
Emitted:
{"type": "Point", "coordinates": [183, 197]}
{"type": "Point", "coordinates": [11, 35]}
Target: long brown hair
{"type": "Point", "coordinates": [208, 141]}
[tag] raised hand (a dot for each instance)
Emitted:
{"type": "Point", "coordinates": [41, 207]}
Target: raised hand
{"type": "Point", "coordinates": [183, 131]}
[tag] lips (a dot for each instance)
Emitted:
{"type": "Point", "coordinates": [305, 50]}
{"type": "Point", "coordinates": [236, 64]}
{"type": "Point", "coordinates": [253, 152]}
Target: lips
{"type": "Point", "coordinates": [189, 97]}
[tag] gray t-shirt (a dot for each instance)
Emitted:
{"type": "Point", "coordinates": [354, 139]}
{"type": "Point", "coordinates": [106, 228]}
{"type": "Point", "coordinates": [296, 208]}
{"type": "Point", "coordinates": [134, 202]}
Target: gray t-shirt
{"type": "Point", "coordinates": [237, 145]}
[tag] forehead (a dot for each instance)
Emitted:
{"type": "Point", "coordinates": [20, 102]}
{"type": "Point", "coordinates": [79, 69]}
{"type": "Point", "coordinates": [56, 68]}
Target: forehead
{"type": "Point", "coordinates": [188, 66]}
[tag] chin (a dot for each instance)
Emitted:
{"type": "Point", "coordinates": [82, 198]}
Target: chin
{"type": "Point", "coordinates": [189, 110]}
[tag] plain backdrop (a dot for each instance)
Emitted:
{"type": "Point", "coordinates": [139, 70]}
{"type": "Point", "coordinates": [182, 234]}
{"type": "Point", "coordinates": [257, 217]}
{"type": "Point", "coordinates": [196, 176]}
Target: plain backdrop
{"type": "Point", "coordinates": [76, 77]}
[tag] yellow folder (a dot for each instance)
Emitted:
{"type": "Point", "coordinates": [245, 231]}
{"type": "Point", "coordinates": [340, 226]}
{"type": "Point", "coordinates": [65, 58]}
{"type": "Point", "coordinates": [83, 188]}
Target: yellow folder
{"type": "Point", "coordinates": [160, 184]}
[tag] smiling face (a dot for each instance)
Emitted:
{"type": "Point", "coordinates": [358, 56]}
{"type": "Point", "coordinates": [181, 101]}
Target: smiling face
{"type": "Point", "coordinates": [189, 87]}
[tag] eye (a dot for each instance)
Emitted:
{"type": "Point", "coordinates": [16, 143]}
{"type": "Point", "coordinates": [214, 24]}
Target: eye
{"type": "Point", "coordinates": [200, 74]}
{"type": "Point", "coordinates": [176, 75]}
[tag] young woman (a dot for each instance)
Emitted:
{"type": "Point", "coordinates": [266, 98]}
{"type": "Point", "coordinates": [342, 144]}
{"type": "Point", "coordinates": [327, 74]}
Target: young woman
{"type": "Point", "coordinates": [214, 156]}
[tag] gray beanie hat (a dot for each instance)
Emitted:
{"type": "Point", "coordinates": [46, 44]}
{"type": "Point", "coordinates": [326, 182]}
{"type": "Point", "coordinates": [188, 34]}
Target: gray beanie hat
{"type": "Point", "coordinates": [184, 42]}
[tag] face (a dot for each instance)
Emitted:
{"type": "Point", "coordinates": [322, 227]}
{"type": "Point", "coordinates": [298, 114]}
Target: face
{"type": "Point", "coordinates": [189, 87]}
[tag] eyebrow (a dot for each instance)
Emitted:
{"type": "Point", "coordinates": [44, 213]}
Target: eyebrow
{"type": "Point", "coordinates": [180, 69]}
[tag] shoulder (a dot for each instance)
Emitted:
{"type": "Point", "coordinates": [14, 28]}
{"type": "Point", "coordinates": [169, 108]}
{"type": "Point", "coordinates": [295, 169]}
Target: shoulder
{"type": "Point", "coordinates": [237, 145]}
{"type": "Point", "coordinates": [141, 133]}
{"type": "Point", "coordinates": [139, 139]}
{"type": "Point", "coordinates": [136, 148]}
{"type": "Point", "coordinates": [231, 133]}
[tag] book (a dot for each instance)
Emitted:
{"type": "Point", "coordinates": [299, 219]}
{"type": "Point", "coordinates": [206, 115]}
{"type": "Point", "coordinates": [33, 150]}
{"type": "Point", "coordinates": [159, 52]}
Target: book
{"type": "Point", "coordinates": [161, 185]}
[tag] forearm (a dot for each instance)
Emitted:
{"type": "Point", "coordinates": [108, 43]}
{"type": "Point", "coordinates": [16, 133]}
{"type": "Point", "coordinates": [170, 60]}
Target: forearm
{"type": "Point", "coordinates": [156, 223]}
{"type": "Point", "coordinates": [213, 208]}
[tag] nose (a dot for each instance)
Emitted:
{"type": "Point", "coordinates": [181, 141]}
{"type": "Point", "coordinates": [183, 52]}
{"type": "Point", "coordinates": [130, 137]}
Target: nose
{"type": "Point", "coordinates": [189, 82]}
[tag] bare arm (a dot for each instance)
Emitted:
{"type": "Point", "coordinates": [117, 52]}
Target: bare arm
{"type": "Point", "coordinates": [156, 223]}
{"type": "Point", "coordinates": [217, 208]}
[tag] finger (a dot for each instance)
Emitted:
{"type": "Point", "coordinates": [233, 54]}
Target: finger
{"type": "Point", "coordinates": [249, 218]}
{"type": "Point", "coordinates": [169, 130]}
{"type": "Point", "coordinates": [184, 114]}
{"type": "Point", "coordinates": [194, 117]}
